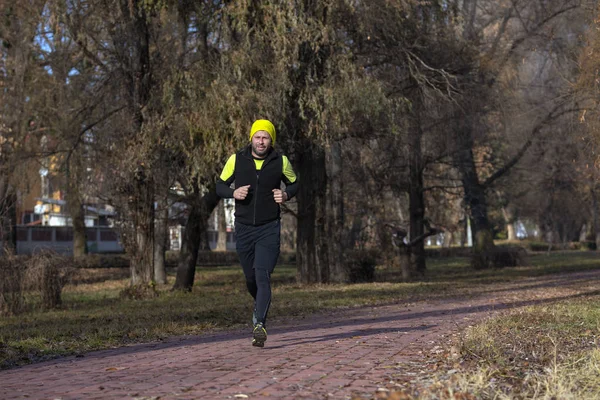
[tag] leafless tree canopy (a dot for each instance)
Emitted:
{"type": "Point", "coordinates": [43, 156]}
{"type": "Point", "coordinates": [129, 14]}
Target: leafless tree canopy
{"type": "Point", "coordinates": [436, 117]}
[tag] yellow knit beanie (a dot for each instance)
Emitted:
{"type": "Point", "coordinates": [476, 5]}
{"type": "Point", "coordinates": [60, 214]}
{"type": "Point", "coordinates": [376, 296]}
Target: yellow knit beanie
{"type": "Point", "coordinates": [263, 125]}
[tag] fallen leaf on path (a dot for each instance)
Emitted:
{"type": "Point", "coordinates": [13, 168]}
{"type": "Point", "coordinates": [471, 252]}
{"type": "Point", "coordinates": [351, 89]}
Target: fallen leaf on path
{"type": "Point", "coordinates": [114, 368]}
{"type": "Point", "coordinates": [400, 396]}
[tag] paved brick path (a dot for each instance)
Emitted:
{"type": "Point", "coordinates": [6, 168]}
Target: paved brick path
{"type": "Point", "coordinates": [349, 354]}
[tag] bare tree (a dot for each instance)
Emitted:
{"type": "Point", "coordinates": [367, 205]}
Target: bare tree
{"type": "Point", "coordinates": [18, 122]}
{"type": "Point", "coordinates": [518, 24]}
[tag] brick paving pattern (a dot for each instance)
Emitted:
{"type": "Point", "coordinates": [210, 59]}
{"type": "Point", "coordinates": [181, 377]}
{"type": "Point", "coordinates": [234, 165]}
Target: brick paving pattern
{"type": "Point", "coordinates": [344, 355]}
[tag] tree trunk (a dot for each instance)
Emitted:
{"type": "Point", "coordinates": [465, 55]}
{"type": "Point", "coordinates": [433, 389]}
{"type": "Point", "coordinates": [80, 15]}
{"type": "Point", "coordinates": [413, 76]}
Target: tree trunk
{"type": "Point", "coordinates": [194, 238]}
{"type": "Point", "coordinates": [188, 255]}
{"type": "Point", "coordinates": [338, 273]}
{"type": "Point", "coordinates": [416, 200]}
{"type": "Point", "coordinates": [221, 227]}
{"type": "Point", "coordinates": [11, 240]}
{"type": "Point", "coordinates": [406, 263]}
{"type": "Point", "coordinates": [138, 77]}
{"type": "Point", "coordinates": [142, 213]}
{"type": "Point", "coordinates": [137, 187]}
{"type": "Point", "coordinates": [483, 241]}
{"type": "Point", "coordinates": [474, 194]}
{"type": "Point", "coordinates": [76, 210]}
{"type": "Point", "coordinates": [161, 235]}
{"type": "Point", "coordinates": [8, 216]}
{"type": "Point", "coordinates": [595, 218]}
{"type": "Point", "coordinates": [510, 232]}
{"type": "Point", "coordinates": [448, 239]}
{"type": "Point", "coordinates": [311, 249]}
{"type": "Point", "coordinates": [354, 236]}
{"type": "Point", "coordinates": [509, 219]}
{"type": "Point", "coordinates": [405, 248]}
{"type": "Point", "coordinates": [75, 205]}
{"type": "Point", "coordinates": [312, 260]}
{"type": "Point", "coordinates": [80, 248]}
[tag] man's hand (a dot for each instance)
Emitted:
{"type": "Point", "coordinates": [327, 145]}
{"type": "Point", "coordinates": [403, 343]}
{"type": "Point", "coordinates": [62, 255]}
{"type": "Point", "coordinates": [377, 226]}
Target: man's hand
{"type": "Point", "coordinates": [280, 196]}
{"type": "Point", "coordinates": [241, 192]}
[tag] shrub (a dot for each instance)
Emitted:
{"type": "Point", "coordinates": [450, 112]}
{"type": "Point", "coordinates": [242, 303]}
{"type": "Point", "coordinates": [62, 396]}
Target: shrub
{"type": "Point", "coordinates": [139, 292]}
{"type": "Point", "coordinates": [360, 265]}
{"type": "Point", "coordinates": [205, 258]}
{"type": "Point", "coordinates": [448, 252]}
{"type": "Point", "coordinates": [539, 246]}
{"type": "Point", "coordinates": [544, 246]}
{"type": "Point", "coordinates": [499, 257]}
{"type": "Point", "coordinates": [208, 257]}
{"type": "Point", "coordinates": [509, 256]}
{"type": "Point", "coordinates": [103, 261]}
{"type": "Point", "coordinates": [587, 245]}
{"type": "Point", "coordinates": [48, 272]}
{"type": "Point", "coordinates": [12, 273]}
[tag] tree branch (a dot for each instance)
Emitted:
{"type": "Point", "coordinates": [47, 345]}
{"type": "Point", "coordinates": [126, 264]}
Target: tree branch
{"type": "Point", "coordinates": [511, 163]}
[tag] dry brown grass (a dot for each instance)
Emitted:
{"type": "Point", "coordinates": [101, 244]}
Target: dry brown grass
{"type": "Point", "coordinates": [33, 281]}
{"type": "Point", "coordinates": [543, 352]}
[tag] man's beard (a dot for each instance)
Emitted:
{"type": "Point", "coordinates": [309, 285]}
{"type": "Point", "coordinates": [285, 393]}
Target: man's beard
{"type": "Point", "coordinates": [260, 153]}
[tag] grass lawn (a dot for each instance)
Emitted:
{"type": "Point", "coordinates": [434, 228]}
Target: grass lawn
{"type": "Point", "coordinates": [548, 351]}
{"type": "Point", "coordinates": [93, 316]}
{"type": "Point", "coordinates": [541, 352]}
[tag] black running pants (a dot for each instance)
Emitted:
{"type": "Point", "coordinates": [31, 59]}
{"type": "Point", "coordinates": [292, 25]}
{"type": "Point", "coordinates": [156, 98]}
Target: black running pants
{"type": "Point", "coordinates": [258, 249]}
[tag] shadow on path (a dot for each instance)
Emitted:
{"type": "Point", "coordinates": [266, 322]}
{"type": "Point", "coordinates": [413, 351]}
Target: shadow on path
{"type": "Point", "coordinates": [348, 318]}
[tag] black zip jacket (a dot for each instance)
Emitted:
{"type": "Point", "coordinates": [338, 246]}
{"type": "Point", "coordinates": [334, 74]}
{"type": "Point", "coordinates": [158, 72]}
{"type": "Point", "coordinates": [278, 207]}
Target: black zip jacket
{"type": "Point", "coordinates": [259, 206]}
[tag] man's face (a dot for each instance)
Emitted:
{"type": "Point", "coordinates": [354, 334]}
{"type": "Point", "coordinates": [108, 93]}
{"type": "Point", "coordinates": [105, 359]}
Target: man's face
{"type": "Point", "coordinates": [261, 141]}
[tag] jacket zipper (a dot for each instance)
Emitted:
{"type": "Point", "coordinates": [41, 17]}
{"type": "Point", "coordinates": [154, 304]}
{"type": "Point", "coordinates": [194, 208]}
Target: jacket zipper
{"type": "Point", "coordinates": [257, 181]}
{"type": "Point", "coordinates": [256, 193]}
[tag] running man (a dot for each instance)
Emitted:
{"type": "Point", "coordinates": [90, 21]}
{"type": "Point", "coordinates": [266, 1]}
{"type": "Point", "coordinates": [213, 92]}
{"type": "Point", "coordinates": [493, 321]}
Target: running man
{"type": "Point", "coordinates": [258, 170]}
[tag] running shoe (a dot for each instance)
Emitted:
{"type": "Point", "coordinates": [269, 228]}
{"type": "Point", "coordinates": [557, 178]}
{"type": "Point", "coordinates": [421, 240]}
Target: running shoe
{"type": "Point", "coordinates": [259, 335]}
